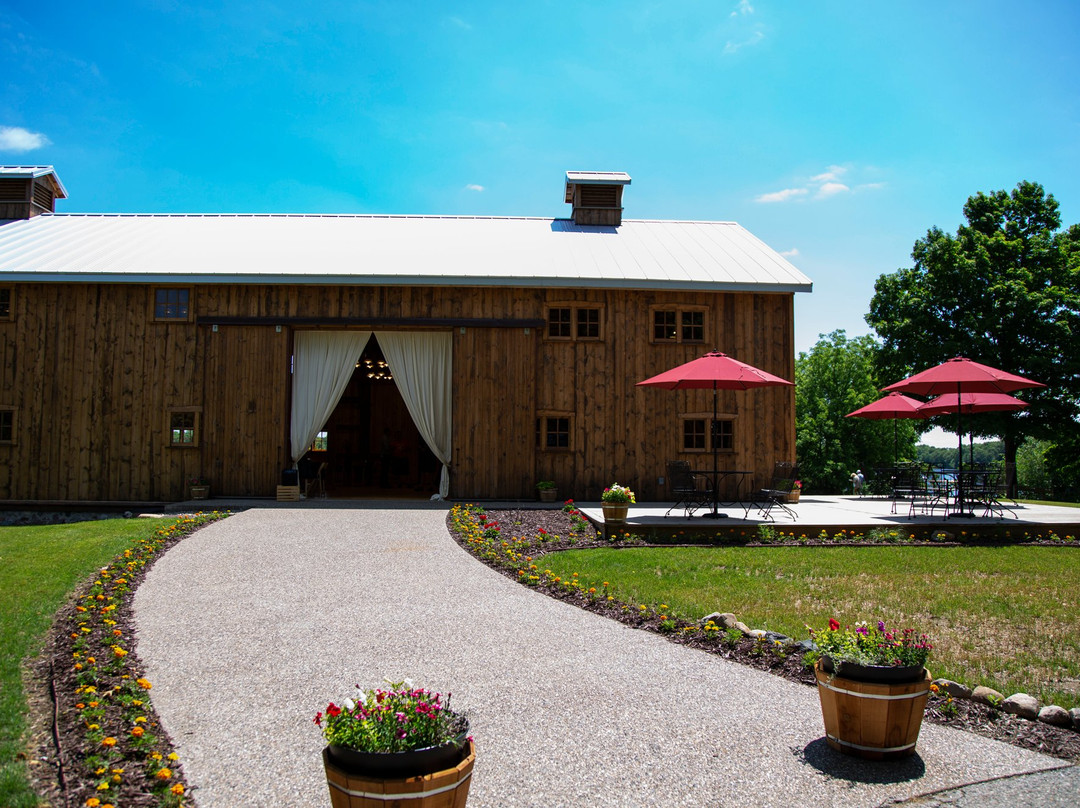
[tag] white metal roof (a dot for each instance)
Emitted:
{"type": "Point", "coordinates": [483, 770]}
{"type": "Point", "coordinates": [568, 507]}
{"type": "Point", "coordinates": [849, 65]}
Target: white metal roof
{"type": "Point", "coordinates": [391, 250]}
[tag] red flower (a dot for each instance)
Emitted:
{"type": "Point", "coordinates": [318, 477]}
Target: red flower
{"type": "Point", "coordinates": [833, 624]}
{"type": "Point", "coordinates": [318, 718]}
{"type": "Point", "coordinates": [333, 710]}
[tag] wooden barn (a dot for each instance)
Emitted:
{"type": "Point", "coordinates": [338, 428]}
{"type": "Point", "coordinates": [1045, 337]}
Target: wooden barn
{"type": "Point", "coordinates": [474, 356]}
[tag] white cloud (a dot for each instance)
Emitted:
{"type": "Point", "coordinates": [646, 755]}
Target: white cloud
{"type": "Point", "coordinates": [460, 23]}
{"type": "Point", "coordinates": [744, 8]}
{"type": "Point", "coordinates": [17, 139]}
{"type": "Point", "coordinates": [474, 187]}
{"type": "Point", "coordinates": [870, 186]}
{"type": "Point", "coordinates": [781, 196]}
{"type": "Point", "coordinates": [831, 189]}
{"type": "Point", "coordinates": [735, 47]}
{"type": "Point", "coordinates": [831, 173]}
{"type": "Point", "coordinates": [792, 253]}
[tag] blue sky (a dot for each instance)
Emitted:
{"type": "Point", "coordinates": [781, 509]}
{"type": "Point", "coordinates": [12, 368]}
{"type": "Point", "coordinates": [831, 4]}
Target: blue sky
{"type": "Point", "coordinates": [838, 132]}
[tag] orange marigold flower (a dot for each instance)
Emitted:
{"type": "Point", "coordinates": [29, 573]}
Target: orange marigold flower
{"type": "Point", "coordinates": [110, 741]}
{"type": "Point", "coordinates": [119, 652]}
{"type": "Point", "coordinates": [177, 789]}
{"type": "Point", "coordinates": [93, 802]}
{"type": "Point", "coordinates": [137, 731]}
{"type": "Point", "coordinates": [163, 773]}
{"type": "Point", "coordinates": [143, 683]}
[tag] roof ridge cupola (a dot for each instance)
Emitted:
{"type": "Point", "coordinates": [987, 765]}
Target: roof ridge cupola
{"type": "Point", "coordinates": [26, 191]}
{"type": "Point", "coordinates": [596, 196]}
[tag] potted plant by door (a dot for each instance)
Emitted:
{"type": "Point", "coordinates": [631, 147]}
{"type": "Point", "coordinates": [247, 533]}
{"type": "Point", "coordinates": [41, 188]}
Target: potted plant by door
{"type": "Point", "coordinates": [616, 503]}
{"type": "Point", "coordinates": [873, 686]}
{"type": "Point", "coordinates": [399, 743]}
{"type": "Point", "coordinates": [198, 487]}
{"type": "Point", "coordinates": [793, 494]}
{"type": "Point", "coordinates": [548, 491]}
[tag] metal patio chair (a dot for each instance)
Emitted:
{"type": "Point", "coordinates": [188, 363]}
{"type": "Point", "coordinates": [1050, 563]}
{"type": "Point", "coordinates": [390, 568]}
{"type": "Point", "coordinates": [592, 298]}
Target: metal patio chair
{"type": "Point", "coordinates": [685, 490]}
{"type": "Point", "coordinates": [776, 496]}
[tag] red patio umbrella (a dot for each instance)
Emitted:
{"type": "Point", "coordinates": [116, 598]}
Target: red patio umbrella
{"type": "Point", "coordinates": [894, 406]}
{"type": "Point", "coordinates": [715, 371]}
{"type": "Point", "coordinates": [960, 375]}
{"type": "Point", "coordinates": [971, 402]}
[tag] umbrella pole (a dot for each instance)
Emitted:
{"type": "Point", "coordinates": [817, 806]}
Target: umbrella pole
{"type": "Point", "coordinates": [961, 506]}
{"type": "Point", "coordinates": [715, 456]}
{"type": "Point", "coordinates": [895, 453]}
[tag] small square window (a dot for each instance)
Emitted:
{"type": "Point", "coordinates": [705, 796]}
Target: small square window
{"type": "Point", "coordinates": [553, 432]}
{"type": "Point", "coordinates": [693, 326]}
{"type": "Point", "coordinates": [694, 434]}
{"type": "Point", "coordinates": [184, 427]}
{"type": "Point", "coordinates": [723, 437]}
{"type": "Point", "coordinates": [320, 443]}
{"type": "Point", "coordinates": [7, 426]}
{"type": "Point", "coordinates": [5, 302]}
{"type": "Point", "coordinates": [664, 329]}
{"type": "Point", "coordinates": [171, 304]}
{"type": "Point", "coordinates": [559, 323]}
{"type": "Point", "coordinates": [588, 323]}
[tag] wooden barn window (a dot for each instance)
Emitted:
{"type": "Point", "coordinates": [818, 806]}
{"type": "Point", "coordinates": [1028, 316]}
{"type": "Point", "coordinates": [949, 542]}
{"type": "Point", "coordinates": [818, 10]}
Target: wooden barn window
{"type": "Point", "coordinates": [553, 432]}
{"type": "Point", "coordinates": [184, 427]}
{"type": "Point", "coordinates": [697, 436]}
{"type": "Point", "coordinates": [7, 425]}
{"type": "Point", "coordinates": [678, 324]}
{"type": "Point", "coordinates": [559, 323]}
{"type": "Point", "coordinates": [172, 304]}
{"type": "Point", "coordinates": [572, 321]}
{"type": "Point", "coordinates": [7, 300]}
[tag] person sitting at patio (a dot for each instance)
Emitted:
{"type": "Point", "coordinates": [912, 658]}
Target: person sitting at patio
{"type": "Point", "coordinates": [857, 481]}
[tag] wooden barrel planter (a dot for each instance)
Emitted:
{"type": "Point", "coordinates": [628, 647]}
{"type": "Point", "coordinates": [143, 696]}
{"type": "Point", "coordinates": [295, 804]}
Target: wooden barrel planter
{"type": "Point", "coordinates": [447, 788]}
{"type": "Point", "coordinates": [872, 720]}
{"type": "Point", "coordinates": [615, 512]}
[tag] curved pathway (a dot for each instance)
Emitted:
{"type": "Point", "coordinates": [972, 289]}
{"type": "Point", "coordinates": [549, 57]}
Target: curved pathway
{"type": "Point", "coordinates": [251, 625]}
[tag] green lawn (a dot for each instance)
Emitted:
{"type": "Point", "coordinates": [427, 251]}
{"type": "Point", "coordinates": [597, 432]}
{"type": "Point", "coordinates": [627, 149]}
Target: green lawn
{"type": "Point", "coordinates": [1005, 617]}
{"type": "Point", "coordinates": [39, 566]}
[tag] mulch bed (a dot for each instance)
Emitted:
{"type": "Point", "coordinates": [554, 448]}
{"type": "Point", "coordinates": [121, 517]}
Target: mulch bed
{"type": "Point", "coordinates": [967, 715]}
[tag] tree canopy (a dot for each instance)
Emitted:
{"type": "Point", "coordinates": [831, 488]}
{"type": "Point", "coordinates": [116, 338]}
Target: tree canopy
{"type": "Point", "coordinates": [1004, 291]}
{"type": "Point", "coordinates": [833, 378]}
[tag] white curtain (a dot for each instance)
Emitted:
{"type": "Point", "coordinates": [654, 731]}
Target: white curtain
{"type": "Point", "coordinates": [323, 364]}
{"type": "Point", "coordinates": [420, 362]}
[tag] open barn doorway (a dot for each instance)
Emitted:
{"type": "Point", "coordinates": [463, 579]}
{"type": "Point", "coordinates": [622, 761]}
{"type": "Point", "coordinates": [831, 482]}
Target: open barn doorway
{"type": "Point", "coordinates": [370, 444]}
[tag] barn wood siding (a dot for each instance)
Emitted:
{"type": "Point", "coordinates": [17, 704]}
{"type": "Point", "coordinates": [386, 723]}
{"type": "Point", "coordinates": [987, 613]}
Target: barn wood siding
{"type": "Point", "coordinates": [93, 377]}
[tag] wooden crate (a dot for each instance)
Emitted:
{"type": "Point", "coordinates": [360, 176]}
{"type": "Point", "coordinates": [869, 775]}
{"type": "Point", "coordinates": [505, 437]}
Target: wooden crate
{"type": "Point", "coordinates": [288, 493]}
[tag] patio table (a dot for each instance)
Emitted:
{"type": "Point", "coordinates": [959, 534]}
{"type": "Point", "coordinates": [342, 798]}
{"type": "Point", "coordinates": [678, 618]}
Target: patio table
{"type": "Point", "coordinates": [717, 476]}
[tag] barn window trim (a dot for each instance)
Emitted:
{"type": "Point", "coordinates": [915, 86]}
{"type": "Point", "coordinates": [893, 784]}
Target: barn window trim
{"type": "Point", "coordinates": [8, 426]}
{"type": "Point", "coordinates": [165, 310]}
{"type": "Point", "coordinates": [552, 424]}
{"type": "Point", "coordinates": [677, 324]}
{"type": "Point", "coordinates": [723, 433]}
{"type": "Point", "coordinates": [182, 420]}
{"type": "Point", "coordinates": [585, 323]}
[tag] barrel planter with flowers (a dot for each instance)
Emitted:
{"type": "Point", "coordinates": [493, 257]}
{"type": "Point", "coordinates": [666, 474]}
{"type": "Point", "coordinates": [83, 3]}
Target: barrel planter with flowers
{"type": "Point", "coordinates": [399, 747]}
{"type": "Point", "coordinates": [615, 502]}
{"type": "Point", "coordinates": [873, 687]}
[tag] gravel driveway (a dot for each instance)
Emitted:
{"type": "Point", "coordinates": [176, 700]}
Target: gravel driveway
{"type": "Point", "coordinates": [251, 625]}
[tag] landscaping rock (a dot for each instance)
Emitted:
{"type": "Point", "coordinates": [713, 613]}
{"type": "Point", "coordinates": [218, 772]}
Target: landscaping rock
{"type": "Point", "coordinates": [756, 634]}
{"type": "Point", "coordinates": [776, 636]}
{"type": "Point", "coordinates": [728, 620]}
{"type": "Point", "coordinates": [1023, 705]}
{"type": "Point", "coordinates": [1075, 713]}
{"type": "Point", "coordinates": [805, 646]}
{"type": "Point", "coordinates": [954, 689]}
{"type": "Point", "coordinates": [715, 617]}
{"type": "Point", "coordinates": [1053, 714]}
{"type": "Point", "coordinates": [745, 629]}
{"type": "Point", "coordinates": [987, 695]}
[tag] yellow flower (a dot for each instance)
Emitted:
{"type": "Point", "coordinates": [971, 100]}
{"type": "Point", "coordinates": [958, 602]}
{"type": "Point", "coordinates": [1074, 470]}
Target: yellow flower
{"type": "Point", "coordinates": [141, 719]}
{"type": "Point", "coordinates": [103, 787]}
{"type": "Point", "coordinates": [173, 756]}
{"type": "Point", "coordinates": [143, 683]}
{"type": "Point", "coordinates": [119, 652]}
{"type": "Point", "coordinates": [156, 756]}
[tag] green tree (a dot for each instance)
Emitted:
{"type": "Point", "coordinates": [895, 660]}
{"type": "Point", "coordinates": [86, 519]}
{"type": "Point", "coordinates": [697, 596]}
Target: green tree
{"type": "Point", "coordinates": [833, 378]}
{"type": "Point", "coordinates": [1004, 291]}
